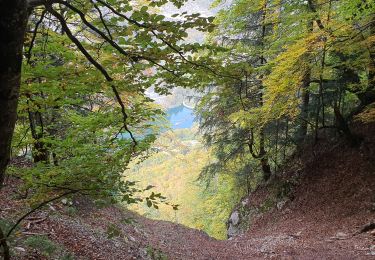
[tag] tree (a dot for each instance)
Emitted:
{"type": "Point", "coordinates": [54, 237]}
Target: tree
{"type": "Point", "coordinates": [12, 28]}
{"type": "Point", "coordinates": [299, 67]}
{"type": "Point", "coordinates": [142, 37]}
{"type": "Point", "coordinates": [88, 117]}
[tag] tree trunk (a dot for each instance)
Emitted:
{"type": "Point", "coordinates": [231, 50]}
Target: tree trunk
{"type": "Point", "coordinates": [4, 245]}
{"type": "Point", "coordinates": [40, 151]}
{"type": "Point", "coordinates": [266, 168]}
{"type": "Point", "coordinates": [343, 127]}
{"type": "Point", "coordinates": [305, 98]}
{"type": "Point", "coordinates": [13, 19]}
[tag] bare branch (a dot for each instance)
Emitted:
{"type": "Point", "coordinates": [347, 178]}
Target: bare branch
{"type": "Point", "coordinates": [124, 115]}
{"type": "Point", "coordinates": [28, 54]}
{"type": "Point", "coordinates": [102, 19]}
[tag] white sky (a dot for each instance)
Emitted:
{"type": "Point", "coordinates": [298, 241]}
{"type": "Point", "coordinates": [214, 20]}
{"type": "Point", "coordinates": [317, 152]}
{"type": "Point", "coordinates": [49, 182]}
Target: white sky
{"type": "Point", "coordinates": [193, 6]}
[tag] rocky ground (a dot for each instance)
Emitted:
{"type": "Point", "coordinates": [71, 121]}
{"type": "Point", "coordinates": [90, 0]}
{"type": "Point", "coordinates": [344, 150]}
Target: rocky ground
{"type": "Point", "coordinates": [326, 213]}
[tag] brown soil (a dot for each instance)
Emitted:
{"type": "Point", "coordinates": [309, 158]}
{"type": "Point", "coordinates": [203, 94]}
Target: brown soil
{"type": "Point", "coordinates": [333, 199]}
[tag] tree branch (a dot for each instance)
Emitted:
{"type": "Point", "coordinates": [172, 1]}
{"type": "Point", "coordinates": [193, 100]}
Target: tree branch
{"type": "Point", "coordinates": [102, 19]}
{"type": "Point", "coordinates": [175, 49]}
{"type": "Point", "coordinates": [96, 65]}
{"type": "Point", "coordinates": [313, 9]}
{"type": "Point", "coordinates": [134, 58]}
{"type": "Point", "coordinates": [28, 54]}
{"type": "Point", "coordinates": [38, 207]}
{"type": "Point", "coordinates": [4, 245]}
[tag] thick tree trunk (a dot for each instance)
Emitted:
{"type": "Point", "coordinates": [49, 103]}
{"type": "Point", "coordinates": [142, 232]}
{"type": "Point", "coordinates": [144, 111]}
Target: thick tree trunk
{"type": "Point", "coordinates": [13, 19]}
{"type": "Point", "coordinates": [3, 243]}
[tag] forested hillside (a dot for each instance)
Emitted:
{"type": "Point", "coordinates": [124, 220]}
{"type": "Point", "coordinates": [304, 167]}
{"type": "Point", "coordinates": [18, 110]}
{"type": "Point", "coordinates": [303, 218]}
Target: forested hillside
{"type": "Point", "coordinates": [294, 69]}
{"type": "Point", "coordinates": [211, 117]}
{"type": "Point", "coordinates": [174, 171]}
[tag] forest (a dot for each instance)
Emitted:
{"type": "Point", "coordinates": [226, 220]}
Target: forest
{"type": "Point", "coordinates": [217, 117]}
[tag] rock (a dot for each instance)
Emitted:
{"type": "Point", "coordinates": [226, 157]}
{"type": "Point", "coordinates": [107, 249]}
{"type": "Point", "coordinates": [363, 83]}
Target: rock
{"type": "Point", "coordinates": [233, 222]}
{"type": "Point", "coordinates": [241, 218]}
{"type": "Point", "coordinates": [372, 250]}
{"type": "Point", "coordinates": [296, 235]}
{"type": "Point", "coordinates": [132, 238]}
{"type": "Point", "coordinates": [245, 202]}
{"type": "Point", "coordinates": [232, 231]}
{"type": "Point", "coordinates": [20, 249]}
{"type": "Point", "coordinates": [235, 218]}
{"type": "Point", "coordinates": [281, 204]}
{"type": "Point", "coordinates": [340, 235]}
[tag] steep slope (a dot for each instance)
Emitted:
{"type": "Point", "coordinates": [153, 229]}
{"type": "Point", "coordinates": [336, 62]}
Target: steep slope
{"type": "Point", "coordinates": [320, 202]}
{"type": "Point", "coordinates": [317, 215]}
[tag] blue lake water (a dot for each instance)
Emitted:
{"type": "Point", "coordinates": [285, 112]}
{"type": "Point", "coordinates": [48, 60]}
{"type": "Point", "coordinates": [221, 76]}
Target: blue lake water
{"type": "Point", "coordinates": [180, 117]}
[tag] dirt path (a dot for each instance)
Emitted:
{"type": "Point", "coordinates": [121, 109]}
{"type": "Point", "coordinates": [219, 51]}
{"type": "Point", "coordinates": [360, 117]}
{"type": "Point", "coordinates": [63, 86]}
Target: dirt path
{"type": "Point", "coordinates": [283, 235]}
{"type": "Point", "coordinates": [333, 200]}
